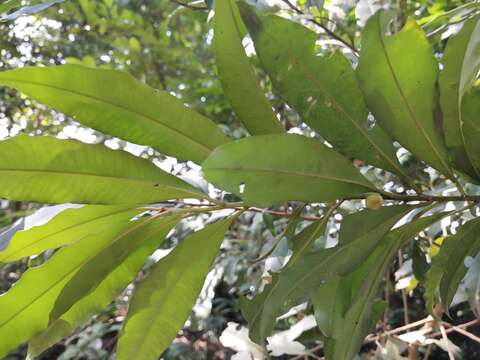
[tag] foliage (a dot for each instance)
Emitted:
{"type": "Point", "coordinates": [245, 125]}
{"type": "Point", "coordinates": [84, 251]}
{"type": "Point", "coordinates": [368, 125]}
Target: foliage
{"type": "Point", "coordinates": [368, 112]}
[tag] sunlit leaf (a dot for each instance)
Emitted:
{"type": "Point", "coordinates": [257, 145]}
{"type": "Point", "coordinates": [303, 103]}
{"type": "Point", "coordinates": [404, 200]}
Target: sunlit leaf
{"type": "Point", "coordinates": [115, 103]}
{"type": "Point", "coordinates": [271, 169]}
{"type": "Point", "coordinates": [91, 275]}
{"type": "Point", "coordinates": [238, 78]}
{"type": "Point", "coordinates": [163, 301]}
{"type": "Point", "coordinates": [401, 96]}
{"type": "Point", "coordinates": [121, 273]}
{"type": "Point", "coordinates": [48, 170]}
{"type": "Point", "coordinates": [67, 227]}
{"type": "Point", "coordinates": [27, 305]}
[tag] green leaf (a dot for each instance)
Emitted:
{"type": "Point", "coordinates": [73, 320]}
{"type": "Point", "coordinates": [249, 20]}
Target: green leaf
{"type": "Point", "coordinates": [237, 75]}
{"type": "Point", "coordinates": [272, 169]}
{"type": "Point", "coordinates": [461, 62]}
{"type": "Point", "coordinates": [48, 170]}
{"type": "Point", "coordinates": [90, 275]}
{"type": "Point", "coordinates": [401, 96]}
{"type": "Point", "coordinates": [26, 306]}
{"type": "Point", "coordinates": [163, 301]}
{"type": "Point", "coordinates": [358, 291]}
{"type": "Point", "coordinates": [448, 269]}
{"type": "Point", "coordinates": [115, 103]}
{"type": "Point", "coordinates": [471, 125]}
{"type": "Point", "coordinates": [322, 89]}
{"type": "Point", "coordinates": [9, 5]}
{"type": "Point", "coordinates": [67, 227]}
{"type": "Point", "coordinates": [307, 271]}
{"type": "Point", "coordinates": [107, 286]}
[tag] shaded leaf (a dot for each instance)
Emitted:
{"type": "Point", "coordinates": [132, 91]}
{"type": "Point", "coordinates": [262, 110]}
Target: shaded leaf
{"type": "Point", "coordinates": [48, 170]}
{"type": "Point", "coordinates": [362, 309]}
{"type": "Point", "coordinates": [471, 125]}
{"type": "Point", "coordinates": [66, 228]}
{"type": "Point", "coordinates": [133, 111]}
{"type": "Point", "coordinates": [163, 301]}
{"type": "Point", "coordinates": [322, 89]}
{"type": "Point", "coordinates": [239, 81]}
{"type": "Point", "coordinates": [271, 169]}
{"type": "Point", "coordinates": [401, 96]}
{"type": "Point", "coordinates": [461, 62]}
{"type": "Point", "coordinates": [448, 269]}
{"type": "Point", "coordinates": [307, 271]}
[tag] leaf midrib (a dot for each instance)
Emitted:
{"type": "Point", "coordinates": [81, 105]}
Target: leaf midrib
{"type": "Point", "coordinates": [161, 303]}
{"type": "Point", "coordinates": [343, 111]}
{"type": "Point", "coordinates": [103, 176]}
{"type": "Point", "coordinates": [112, 104]}
{"type": "Point", "coordinates": [416, 122]}
{"type": "Point", "coordinates": [68, 273]}
{"type": "Point", "coordinates": [8, 258]}
{"type": "Point", "coordinates": [290, 172]}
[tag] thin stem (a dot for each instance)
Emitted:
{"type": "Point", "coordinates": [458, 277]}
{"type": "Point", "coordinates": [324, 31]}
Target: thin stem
{"type": "Point", "coordinates": [189, 6]}
{"type": "Point", "coordinates": [323, 27]}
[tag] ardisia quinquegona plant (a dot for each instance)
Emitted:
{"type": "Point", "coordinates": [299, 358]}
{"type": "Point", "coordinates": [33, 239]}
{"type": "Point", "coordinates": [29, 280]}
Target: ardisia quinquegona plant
{"type": "Point", "coordinates": [393, 97]}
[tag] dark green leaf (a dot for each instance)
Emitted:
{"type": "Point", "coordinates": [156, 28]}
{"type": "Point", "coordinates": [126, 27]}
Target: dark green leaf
{"type": "Point", "coordinates": [461, 64]}
{"type": "Point", "coordinates": [401, 96]}
{"type": "Point", "coordinates": [164, 300]}
{"type": "Point", "coordinates": [238, 78]}
{"type": "Point", "coordinates": [419, 261]}
{"type": "Point", "coordinates": [48, 170]}
{"type": "Point", "coordinates": [322, 89]}
{"type": "Point", "coordinates": [358, 292]}
{"type": "Point", "coordinates": [471, 125]}
{"type": "Point", "coordinates": [448, 269]}
{"type": "Point", "coordinates": [308, 270]}
{"type": "Point", "coordinates": [272, 169]}
{"type": "Point", "coordinates": [115, 103]}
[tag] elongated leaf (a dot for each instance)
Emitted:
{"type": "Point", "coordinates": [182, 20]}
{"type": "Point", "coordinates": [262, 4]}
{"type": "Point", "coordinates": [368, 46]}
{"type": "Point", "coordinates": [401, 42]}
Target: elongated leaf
{"type": "Point", "coordinates": [322, 89]}
{"type": "Point", "coordinates": [363, 309]}
{"type": "Point", "coordinates": [45, 169]}
{"type": "Point", "coordinates": [8, 5]}
{"type": "Point", "coordinates": [163, 301]}
{"type": "Point", "coordinates": [448, 268]}
{"type": "Point", "coordinates": [33, 8]}
{"type": "Point", "coordinates": [90, 275]}
{"type": "Point", "coordinates": [121, 274]}
{"type": "Point", "coordinates": [306, 272]}
{"type": "Point", "coordinates": [69, 226]}
{"type": "Point", "coordinates": [238, 78]}
{"type": "Point", "coordinates": [401, 96]}
{"type": "Point", "coordinates": [471, 125]}
{"type": "Point", "coordinates": [461, 64]}
{"type": "Point", "coordinates": [115, 103]}
{"type": "Point", "coordinates": [271, 169]}
{"type": "Point", "coordinates": [26, 307]}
